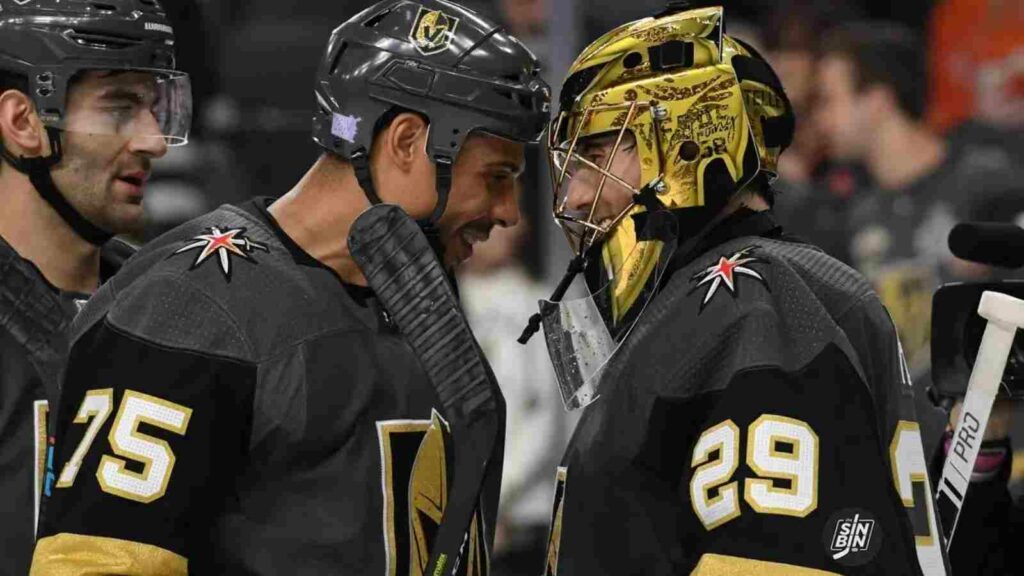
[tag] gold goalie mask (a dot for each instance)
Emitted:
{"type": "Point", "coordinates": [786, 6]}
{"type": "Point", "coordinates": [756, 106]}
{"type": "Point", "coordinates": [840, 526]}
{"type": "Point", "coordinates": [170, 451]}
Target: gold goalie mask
{"type": "Point", "coordinates": [661, 122]}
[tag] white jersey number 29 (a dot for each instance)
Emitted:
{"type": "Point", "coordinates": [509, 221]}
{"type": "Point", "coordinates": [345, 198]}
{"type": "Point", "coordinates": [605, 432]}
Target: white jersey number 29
{"type": "Point", "coordinates": [787, 449]}
{"type": "Point", "coordinates": [778, 448]}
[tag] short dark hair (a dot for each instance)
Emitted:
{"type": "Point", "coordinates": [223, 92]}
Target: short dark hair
{"type": "Point", "coordinates": [797, 25]}
{"type": "Point", "coordinates": [884, 53]}
{"type": "Point", "coordinates": [11, 81]}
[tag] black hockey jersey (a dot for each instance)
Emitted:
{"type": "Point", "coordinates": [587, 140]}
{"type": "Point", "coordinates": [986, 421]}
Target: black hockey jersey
{"type": "Point", "coordinates": [231, 407]}
{"type": "Point", "coordinates": [34, 319]}
{"type": "Point", "coordinates": [759, 420]}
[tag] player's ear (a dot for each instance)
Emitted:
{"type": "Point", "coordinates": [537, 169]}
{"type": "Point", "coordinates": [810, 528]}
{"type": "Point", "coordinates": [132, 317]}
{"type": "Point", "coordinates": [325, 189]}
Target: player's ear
{"type": "Point", "coordinates": [405, 139]}
{"type": "Point", "coordinates": [403, 172]}
{"type": "Point", "coordinates": [21, 130]}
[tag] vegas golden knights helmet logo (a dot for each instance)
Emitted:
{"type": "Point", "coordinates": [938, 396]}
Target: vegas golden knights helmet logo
{"type": "Point", "coordinates": [414, 456]}
{"type": "Point", "coordinates": [433, 31]}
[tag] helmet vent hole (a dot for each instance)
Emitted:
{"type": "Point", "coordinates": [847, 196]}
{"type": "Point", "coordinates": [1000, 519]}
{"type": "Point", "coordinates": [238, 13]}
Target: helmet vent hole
{"type": "Point", "coordinates": [376, 19]}
{"type": "Point", "coordinates": [103, 7]}
{"type": "Point", "coordinates": [337, 58]}
{"type": "Point", "coordinates": [107, 41]}
{"type": "Point", "coordinates": [689, 151]}
{"type": "Point", "coordinates": [522, 100]}
{"type": "Point", "coordinates": [632, 60]}
{"type": "Point", "coordinates": [670, 55]}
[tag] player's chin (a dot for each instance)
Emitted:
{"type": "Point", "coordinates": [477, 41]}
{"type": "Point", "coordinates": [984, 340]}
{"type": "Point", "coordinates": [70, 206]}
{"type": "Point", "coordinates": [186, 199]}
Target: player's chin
{"type": "Point", "coordinates": [126, 218]}
{"type": "Point", "coordinates": [456, 251]}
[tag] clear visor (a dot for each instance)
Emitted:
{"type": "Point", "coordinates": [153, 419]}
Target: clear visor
{"type": "Point", "coordinates": [130, 104]}
{"type": "Point", "coordinates": [577, 332]}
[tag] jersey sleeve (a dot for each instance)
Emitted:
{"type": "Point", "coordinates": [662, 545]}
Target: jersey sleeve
{"type": "Point", "coordinates": [146, 442]}
{"type": "Point", "coordinates": [789, 471]}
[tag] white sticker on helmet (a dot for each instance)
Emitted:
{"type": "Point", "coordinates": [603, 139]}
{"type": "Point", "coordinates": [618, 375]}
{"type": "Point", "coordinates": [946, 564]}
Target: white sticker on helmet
{"type": "Point", "coordinates": [345, 127]}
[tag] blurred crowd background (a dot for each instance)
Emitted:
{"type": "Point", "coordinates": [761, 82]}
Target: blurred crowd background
{"type": "Point", "coordinates": [910, 118]}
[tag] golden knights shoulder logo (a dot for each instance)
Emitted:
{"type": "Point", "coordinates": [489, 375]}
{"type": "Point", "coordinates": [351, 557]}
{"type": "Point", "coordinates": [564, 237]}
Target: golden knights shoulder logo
{"type": "Point", "coordinates": [414, 456]}
{"type": "Point", "coordinates": [433, 31]}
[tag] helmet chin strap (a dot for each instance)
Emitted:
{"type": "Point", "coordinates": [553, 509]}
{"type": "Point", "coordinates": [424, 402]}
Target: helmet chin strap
{"type": "Point", "coordinates": [361, 164]}
{"type": "Point", "coordinates": [38, 171]}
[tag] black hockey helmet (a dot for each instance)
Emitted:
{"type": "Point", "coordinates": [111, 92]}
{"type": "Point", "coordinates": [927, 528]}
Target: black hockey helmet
{"type": "Point", "coordinates": [455, 67]}
{"type": "Point", "coordinates": [49, 42]}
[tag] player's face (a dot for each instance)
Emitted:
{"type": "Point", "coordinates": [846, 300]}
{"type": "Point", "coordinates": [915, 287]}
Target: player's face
{"type": "Point", "coordinates": [484, 194]}
{"type": "Point", "coordinates": [841, 115]}
{"type": "Point", "coordinates": [106, 162]}
{"type": "Point", "coordinates": [584, 181]}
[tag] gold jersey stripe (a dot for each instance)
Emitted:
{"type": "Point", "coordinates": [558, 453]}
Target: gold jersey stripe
{"type": "Point", "coordinates": [719, 565]}
{"type": "Point", "coordinates": [80, 555]}
{"type": "Point", "coordinates": [1017, 471]}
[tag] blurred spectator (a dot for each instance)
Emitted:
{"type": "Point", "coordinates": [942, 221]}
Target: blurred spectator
{"type": "Point", "coordinates": [871, 109]}
{"type": "Point", "coordinates": [527, 20]}
{"type": "Point", "coordinates": [976, 67]}
{"type": "Point", "coordinates": [499, 296]}
{"type": "Point", "coordinates": [791, 40]}
{"type": "Point", "coordinates": [810, 206]}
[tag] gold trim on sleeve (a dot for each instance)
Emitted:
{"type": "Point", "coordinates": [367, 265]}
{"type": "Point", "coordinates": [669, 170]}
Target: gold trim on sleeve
{"type": "Point", "coordinates": [720, 565]}
{"type": "Point", "coordinates": [79, 555]}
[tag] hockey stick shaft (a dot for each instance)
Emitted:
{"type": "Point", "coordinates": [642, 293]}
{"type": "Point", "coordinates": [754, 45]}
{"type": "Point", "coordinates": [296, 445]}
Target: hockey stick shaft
{"type": "Point", "coordinates": [405, 274]}
{"type": "Point", "coordinates": [1005, 315]}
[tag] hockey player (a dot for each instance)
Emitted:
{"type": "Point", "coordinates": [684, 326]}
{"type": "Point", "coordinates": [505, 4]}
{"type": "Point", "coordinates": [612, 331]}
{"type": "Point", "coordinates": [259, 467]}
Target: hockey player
{"type": "Point", "coordinates": [750, 409]}
{"type": "Point", "coordinates": [238, 400]}
{"type": "Point", "coordinates": [88, 98]}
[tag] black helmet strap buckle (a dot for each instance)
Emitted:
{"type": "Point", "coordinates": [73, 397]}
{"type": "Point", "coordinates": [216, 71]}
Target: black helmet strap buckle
{"type": "Point", "coordinates": [443, 165]}
{"type": "Point", "coordinates": [361, 164]}
{"type": "Point", "coordinates": [38, 172]}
